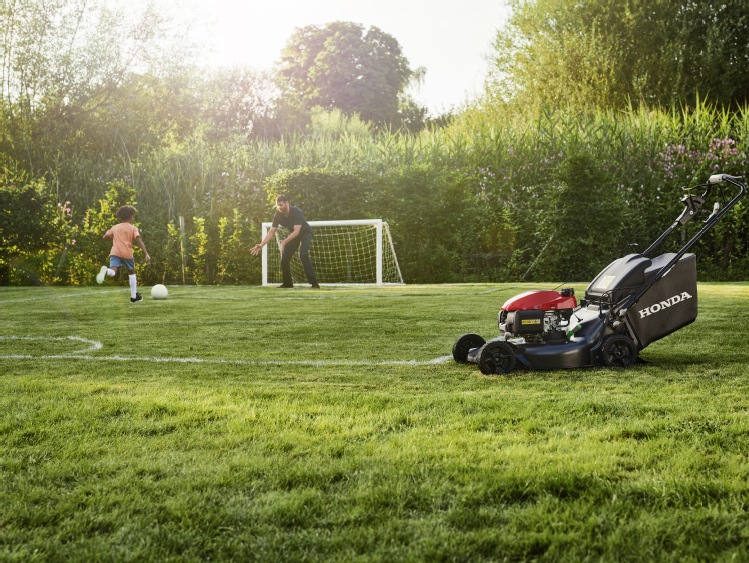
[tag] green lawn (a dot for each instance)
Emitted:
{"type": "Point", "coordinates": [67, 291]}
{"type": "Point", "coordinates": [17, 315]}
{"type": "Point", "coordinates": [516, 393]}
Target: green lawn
{"type": "Point", "coordinates": [248, 423]}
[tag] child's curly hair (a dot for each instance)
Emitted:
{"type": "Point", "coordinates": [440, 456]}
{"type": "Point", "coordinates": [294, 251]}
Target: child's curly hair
{"type": "Point", "coordinates": [125, 212]}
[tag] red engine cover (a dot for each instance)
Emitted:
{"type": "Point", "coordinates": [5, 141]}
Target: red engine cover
{"type": "Point", "coordinates": [540, 300]}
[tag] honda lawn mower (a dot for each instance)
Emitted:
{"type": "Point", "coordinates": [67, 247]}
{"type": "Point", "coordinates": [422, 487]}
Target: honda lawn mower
{"type": "Point", "coordinates": [633, 302]}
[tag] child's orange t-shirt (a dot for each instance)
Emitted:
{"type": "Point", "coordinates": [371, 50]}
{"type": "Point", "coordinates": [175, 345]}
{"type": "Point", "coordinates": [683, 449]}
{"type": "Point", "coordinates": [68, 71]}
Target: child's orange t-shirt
{"type": "Point", "coordinates": [122, 244]}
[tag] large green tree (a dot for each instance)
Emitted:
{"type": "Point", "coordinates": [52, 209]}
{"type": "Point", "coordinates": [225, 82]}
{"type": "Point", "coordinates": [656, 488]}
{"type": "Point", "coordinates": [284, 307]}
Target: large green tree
{"type": "Point", "coordinates": [615, 52]}
{"type": "Point", "coordinates": [342, 65]}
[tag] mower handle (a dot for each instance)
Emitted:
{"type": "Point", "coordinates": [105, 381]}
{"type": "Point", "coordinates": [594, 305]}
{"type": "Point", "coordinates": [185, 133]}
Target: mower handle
{"type": "Point", "coordinates": [621, 307]}
{"type": "Point", "coordinates": [692, 204]}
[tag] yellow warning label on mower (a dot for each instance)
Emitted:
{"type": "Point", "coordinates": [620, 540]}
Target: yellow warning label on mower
{"type": "Point", "coordinates": [530, 322]}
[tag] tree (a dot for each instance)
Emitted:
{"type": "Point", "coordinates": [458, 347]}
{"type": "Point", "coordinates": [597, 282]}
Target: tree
{"type": "Point", "coordinates": [65, 61]}
{"type": "Point", "coordinates": [341, 65]}
{"type": "Point", "coordinates": [610, 53]}
{"type": "Point", "coordinates": [239, 101]}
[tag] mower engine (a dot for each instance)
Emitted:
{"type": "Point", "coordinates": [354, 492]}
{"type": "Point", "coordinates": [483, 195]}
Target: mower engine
{"type": "Point", "coordinates": [538, 317]}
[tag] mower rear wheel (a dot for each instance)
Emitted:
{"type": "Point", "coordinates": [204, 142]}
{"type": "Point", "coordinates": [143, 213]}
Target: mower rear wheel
{"type": "Point", "coordinates": [465, 344]}
{"type": "Point", "coordinates": [496, 358]}
{"type": "Point", "coordinates": [619, 351]}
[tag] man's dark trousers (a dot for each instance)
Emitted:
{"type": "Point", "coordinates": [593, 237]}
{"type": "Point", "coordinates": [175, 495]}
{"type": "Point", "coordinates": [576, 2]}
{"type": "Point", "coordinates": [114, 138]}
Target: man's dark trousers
{"type": "Point", "coordinates": [305, 241]}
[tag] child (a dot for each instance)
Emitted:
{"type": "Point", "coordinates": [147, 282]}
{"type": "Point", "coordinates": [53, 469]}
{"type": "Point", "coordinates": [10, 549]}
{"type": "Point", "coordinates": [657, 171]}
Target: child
{"type": "Point", "coordinates": [122, 236]}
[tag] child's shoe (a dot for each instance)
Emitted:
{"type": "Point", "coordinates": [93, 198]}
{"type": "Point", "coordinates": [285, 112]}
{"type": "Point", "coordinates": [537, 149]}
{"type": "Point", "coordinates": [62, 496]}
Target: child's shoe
{"type": "Point", "coordinates": [138, 297]}
{"type": "Point", "coordinates": [101, 275]}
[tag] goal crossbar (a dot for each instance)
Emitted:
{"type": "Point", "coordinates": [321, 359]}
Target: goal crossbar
{"type": "Point", "coordinates": [345, 252]}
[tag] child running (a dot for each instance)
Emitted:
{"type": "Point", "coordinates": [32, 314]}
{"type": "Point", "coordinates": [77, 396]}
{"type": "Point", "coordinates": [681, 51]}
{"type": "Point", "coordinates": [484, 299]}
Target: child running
{"type": "Point", "coordinates": [122, 236]}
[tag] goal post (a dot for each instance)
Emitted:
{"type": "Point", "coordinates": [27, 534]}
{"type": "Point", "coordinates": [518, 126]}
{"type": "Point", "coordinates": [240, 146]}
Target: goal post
{"type": "Point", "coordinates": [356, 251]}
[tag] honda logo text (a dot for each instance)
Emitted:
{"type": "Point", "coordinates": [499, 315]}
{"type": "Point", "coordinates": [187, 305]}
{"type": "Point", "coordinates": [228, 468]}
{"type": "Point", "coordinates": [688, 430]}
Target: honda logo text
{"type": "Point", "coordinates": [647, 311]}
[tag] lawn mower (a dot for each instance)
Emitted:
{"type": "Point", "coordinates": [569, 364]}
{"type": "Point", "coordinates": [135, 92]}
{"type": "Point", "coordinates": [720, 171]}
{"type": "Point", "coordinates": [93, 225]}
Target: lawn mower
{"type": "Point", "coordinates": [633, 302]}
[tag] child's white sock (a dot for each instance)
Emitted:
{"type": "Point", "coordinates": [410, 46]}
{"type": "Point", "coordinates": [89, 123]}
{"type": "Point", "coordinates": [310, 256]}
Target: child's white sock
{"type": "Point", "coordinates": [110, 273]}
{"type": "Point", "coordinates": [133, 285]}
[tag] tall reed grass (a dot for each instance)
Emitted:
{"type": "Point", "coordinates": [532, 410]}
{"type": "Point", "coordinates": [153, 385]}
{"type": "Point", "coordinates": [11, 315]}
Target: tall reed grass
{"type": "Point", "coordinates": [477, 200]}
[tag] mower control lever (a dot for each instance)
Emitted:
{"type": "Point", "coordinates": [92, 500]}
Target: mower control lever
{"type": "Point", "coordinates": [692, 203]}
{"type": "Point", "coordinates": [716, 208]}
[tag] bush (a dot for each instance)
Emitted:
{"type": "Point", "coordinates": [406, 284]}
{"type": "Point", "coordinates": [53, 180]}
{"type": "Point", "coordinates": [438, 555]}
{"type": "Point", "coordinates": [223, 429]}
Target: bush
{"type": "Point", "coordinates": [35, 232]}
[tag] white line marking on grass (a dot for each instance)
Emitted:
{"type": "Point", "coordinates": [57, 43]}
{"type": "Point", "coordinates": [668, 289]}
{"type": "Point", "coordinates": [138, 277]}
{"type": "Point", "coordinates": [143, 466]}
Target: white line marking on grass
{"type": "Point", "coordinates": [490, 290]}
{"type": "Point", "coordinates": [218, 297]}
{"type": "Point", "coordinates": [95, 345]}
{"type": "Point", "coordinates": [310, 363]}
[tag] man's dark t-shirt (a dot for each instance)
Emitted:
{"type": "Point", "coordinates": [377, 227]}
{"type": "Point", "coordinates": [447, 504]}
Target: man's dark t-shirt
{"type": "Point", "coordinates": [295, 217]}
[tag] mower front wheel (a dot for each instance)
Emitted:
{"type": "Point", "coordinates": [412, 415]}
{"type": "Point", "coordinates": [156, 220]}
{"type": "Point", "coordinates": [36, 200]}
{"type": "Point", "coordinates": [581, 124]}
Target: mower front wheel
{"type": "Point", "coordinates": [465, 344]}
{"type": "Point", "coordinates": [496, 358]}
{"type": "Point", "coordinates": [619, 351]}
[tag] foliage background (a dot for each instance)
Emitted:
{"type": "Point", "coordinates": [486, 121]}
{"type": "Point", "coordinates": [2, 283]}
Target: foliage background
{"type": "Point", "coordinates": [517, 186]}
{"type": "Point", "coordinates": [555, 198]}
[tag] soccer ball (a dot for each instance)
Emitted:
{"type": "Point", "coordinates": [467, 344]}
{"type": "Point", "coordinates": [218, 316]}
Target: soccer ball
{"type": "Point", "coordinates": [159, 291]}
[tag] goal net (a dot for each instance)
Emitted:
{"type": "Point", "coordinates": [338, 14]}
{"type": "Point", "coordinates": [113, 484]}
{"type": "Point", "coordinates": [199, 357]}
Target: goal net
{"type": "Point", "coordinates": [343, 252]}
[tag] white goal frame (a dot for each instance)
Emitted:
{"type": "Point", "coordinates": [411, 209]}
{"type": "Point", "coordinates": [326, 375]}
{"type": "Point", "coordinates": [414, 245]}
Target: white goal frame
{"type": "Point", "coordinates": [379, 225]}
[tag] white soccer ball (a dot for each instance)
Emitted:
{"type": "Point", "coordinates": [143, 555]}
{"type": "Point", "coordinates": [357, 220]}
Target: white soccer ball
{"type": "Point", "coordinates": [159, 291]}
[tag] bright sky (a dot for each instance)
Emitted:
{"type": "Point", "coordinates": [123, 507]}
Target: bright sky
{"type": "Point", "coordinates": [450, 38]}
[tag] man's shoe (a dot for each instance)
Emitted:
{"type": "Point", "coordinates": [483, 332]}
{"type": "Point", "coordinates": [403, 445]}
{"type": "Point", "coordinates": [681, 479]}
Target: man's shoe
{"type": "Point", "coordinates": [285, 286]}
{"type": "Point", "coordinates": [138, 297]}
{"type": "Point", "coordinates": [101, 275]}
{"type": "Point", "coordinates": [315, 286]}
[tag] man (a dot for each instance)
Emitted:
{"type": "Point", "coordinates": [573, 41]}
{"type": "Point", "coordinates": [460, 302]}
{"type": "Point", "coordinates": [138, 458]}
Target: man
{"type": "Point", "coordinates": [300, 237]}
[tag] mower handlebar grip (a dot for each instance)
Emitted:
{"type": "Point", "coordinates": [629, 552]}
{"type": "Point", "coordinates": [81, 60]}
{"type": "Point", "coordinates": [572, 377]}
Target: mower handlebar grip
{"type": "Point", "coordinates": [720, 178]}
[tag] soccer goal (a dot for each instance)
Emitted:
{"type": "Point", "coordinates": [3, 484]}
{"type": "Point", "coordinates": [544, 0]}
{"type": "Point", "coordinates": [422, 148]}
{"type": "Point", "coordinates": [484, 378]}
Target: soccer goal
{"type": "Point", "coordinates": [343, 252]}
